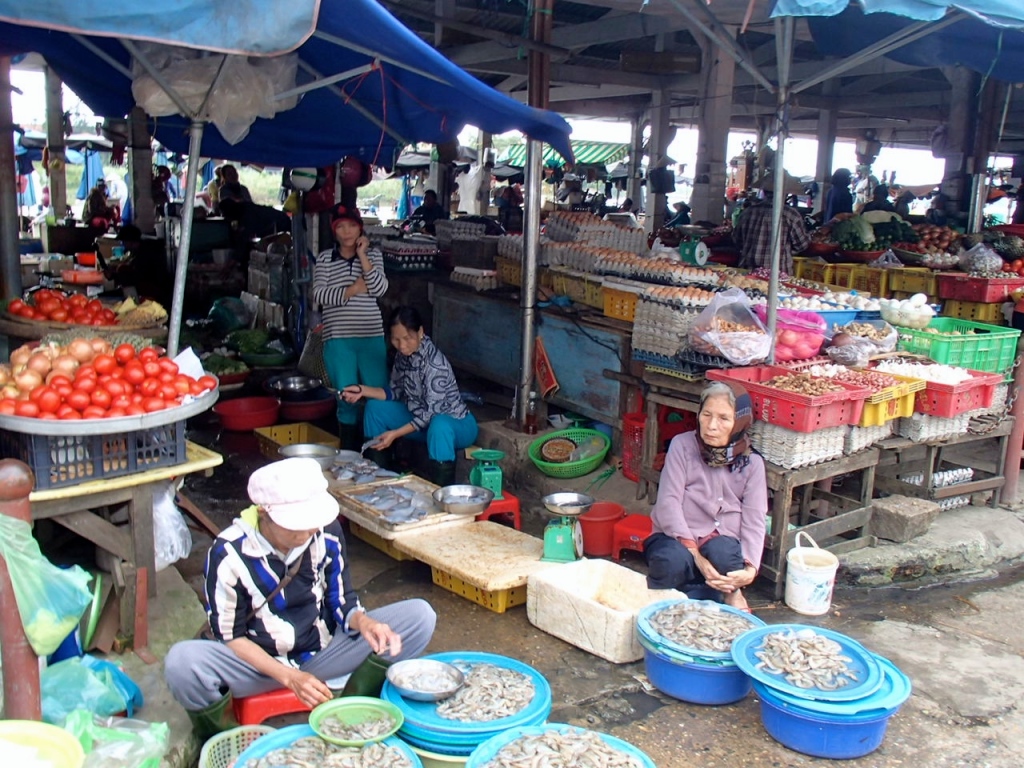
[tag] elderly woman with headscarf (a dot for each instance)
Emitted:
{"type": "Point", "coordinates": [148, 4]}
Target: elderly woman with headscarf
{"type": "Point", "coordinates": [709, 520]}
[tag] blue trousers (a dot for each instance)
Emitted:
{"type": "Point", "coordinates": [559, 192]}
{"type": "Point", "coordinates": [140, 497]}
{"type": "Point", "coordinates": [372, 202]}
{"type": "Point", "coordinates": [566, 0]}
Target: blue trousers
{"type": "Point", "coordinates": [444, 435]}
{"type": "Point", "coordinates": [671, 566]}
{"type": "Point", "coordinates": [358, 360]}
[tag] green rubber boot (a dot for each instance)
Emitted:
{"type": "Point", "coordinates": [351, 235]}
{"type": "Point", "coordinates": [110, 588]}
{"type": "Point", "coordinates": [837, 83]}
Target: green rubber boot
{"type": "Point", "coordinates": [368, 678]}
{"type": "Point", "coordinates": [442, 473]}
{"type": "Point", "coordinates": [213, 719]}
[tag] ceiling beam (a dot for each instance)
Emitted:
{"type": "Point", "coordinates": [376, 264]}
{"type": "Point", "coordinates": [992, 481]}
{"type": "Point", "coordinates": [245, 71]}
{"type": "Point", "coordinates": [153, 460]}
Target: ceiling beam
{"type": "Point", "coordinates": [625, 108]}
{"type": "Point", "coordinates": [569, 73]}
{"type": "Point", "coordinates": [578, 92]}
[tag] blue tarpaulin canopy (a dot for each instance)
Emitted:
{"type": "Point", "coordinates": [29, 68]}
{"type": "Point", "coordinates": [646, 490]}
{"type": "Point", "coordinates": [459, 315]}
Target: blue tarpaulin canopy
{"type": "Point", "coordinates": [1009, 13]}
{"type": "Point", "coordinates": [412, 93]}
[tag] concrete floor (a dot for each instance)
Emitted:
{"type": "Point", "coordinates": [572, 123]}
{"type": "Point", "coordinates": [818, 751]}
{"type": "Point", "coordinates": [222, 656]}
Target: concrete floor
{"type": "Point", "coordinates": [959, 641]}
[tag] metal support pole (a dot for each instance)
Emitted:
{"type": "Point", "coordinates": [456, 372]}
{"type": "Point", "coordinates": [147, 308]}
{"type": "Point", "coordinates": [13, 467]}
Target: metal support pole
{"type": "Point", "coordinates": [57, 172]}
{"type": "Point", "coordinates": [195, 141]}
{"type": "Point", "coordinates": [22, 699]}
{"type": "Point", "coordinates": [528, 294]}
{"type": "Point", "coordinates": [10, 258]}
{"type": "Point", "coordinates": [1011, 462]}
{"type": "Point", "coordinates": [979, 195]}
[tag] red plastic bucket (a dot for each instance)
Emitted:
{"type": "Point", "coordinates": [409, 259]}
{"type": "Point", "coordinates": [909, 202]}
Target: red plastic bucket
{"type": "Point", "coordinates": [599, 527]}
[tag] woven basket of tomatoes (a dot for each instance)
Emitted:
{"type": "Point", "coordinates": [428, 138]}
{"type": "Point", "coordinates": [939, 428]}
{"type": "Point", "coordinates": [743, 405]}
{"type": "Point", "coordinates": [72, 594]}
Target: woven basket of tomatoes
{"type": "Point", "coordinates": [90, 410]}
{"type": "Point", "coordinates": [61, 309]}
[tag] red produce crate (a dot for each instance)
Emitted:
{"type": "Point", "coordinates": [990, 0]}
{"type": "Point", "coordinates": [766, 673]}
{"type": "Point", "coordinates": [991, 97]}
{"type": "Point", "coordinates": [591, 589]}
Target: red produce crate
{"type": "Point", "coordinates": [988, 290]}
{"type": "Point", "coordinates": [948, 400]}
{"type": "Point", "coordinates": [802, 413]}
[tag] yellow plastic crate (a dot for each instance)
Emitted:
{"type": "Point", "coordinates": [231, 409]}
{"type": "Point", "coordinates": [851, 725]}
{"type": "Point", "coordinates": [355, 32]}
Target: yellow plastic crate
{"type": "Point", "coordinates": [974, 310]}
{"type": "Point", "coordinates": [272, 438]}
{"type": "Point", "coordinates": [510, 271]}
{"type": "Point", "coordinates": [620, 304]}
{"type": "Point", "coordinates": [573, 286]}
{"type": "Point", "coordinates": [914, 280]}
{"type": "Point", "coordinates": [799, 263]}
{"type": "Point", "coordinates": [594, 296]}
{"type": "Point", "coordinates": [873, 280]}
{"type": "Point", "coordinates": [843, 274]}
{"type": "Point", "coordinates": [895, 402]}
{"type": "Point", "coordinates": [498, 600]}
{"type": "Point", "coordinates": [819, 272]}
{"type": "Point", "coordinates": [377, 542]}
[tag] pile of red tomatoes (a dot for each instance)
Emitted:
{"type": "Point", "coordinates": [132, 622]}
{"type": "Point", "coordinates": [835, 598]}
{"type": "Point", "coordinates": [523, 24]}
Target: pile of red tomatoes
{"type": "Point", "coordinates": [58, 307]}
{"type": "Point", "coordinates": [90, 379]}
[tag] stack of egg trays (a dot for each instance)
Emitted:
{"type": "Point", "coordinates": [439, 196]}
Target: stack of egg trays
{"type": "Point", "coordinates": [791, 449]}
{"type": "Point", "coordinates": [922, 428]}
{"type": "Point", "coordinates": [859, 438]}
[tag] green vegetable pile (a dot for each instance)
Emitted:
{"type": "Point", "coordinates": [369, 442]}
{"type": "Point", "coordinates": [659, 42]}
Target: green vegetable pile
{"type": "Point", "coordinates": [249, 341]}
{"type": "Point", "coordinates": [220, 365]}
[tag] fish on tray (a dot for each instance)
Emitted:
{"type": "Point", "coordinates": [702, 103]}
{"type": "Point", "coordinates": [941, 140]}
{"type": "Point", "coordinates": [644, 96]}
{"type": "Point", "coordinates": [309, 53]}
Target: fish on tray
{"type": "Point", "coordinates": [314, 752]}
{"type": "Point", "coordinates": [397, 505]}
{"type": "Point", "coordinates": [561, 749]}
{"type": "Point", "coordinates": [372, 728]}
{"type": "Point", "coordinates": [490, 693]}
{"type": "Point", "coordinates": [698, 625]}
{"type": "Point", "coordinates": [807, 659]}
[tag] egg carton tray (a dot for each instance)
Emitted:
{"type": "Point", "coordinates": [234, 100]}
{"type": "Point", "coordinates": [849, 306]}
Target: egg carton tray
{"type": "Point", "coordinates": [999, 396]}
{"type": "Point", "coordinates": [791, 449]}
{"type": "Point", "coordinates": [922, 428]}
{"type": "Point", "coordinates": [859, 438]}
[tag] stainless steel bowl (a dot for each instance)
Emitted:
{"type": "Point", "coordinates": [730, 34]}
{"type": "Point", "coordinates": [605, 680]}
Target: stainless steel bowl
{"type": "Point", "coordinates": [293, 386]}
{"type": "Point", "coordinates": [425, 679]}
{"type": "Point", "coordinates": [322, 454]}
{"type": "Point", "coordinates": [463, 499]}
{"type": "Point", "coordinates": [567, 503]}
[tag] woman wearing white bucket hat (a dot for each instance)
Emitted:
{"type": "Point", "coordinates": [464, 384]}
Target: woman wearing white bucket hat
{"type": "Point", "coordinates": [283, 613]}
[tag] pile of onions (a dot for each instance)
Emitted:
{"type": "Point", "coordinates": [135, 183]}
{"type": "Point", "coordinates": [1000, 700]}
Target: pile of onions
{"type": "Point", "coordinates": [31, 366]}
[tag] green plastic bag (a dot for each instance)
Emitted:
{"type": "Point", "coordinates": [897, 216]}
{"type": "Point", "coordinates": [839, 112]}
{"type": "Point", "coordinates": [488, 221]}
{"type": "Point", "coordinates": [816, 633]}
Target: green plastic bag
{"type": "Point", "coordinates": [117, 742]}
{"type": "Point", "coordinates": [51, 600]}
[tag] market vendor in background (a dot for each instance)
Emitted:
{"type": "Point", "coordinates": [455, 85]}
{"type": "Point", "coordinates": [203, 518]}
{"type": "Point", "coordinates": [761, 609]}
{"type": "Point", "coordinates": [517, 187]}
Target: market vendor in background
{"type": "Point", "coordinates": [99, 214]}
{"type": "Point", "coordinates": [753, 233]}
{"type": "Point", "coordinates": [282, 608]}
{"type": "Point", "coordinates": [864, 188]}
{"type": "Point", "coordinates": [347, 282]}
{"type": "Point", "coordinates": [709, 520]}
{"type": "Point", "coordinates": [880, 201]}
{"type": "Point", "coordinates": [680, 217]}
{"type": "Point", "coordinates": [839, 199]}
{"type": "Point", "coordinates": [422, 401]}
{"type": "Point", "coordinates": [430, 211]}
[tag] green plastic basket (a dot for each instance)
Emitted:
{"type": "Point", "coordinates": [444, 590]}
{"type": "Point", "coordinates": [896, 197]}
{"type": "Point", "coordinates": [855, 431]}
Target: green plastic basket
{"type": "Point", "coordinates": [979, 346]}
{"type": "Point", "coordinates": [569, 469]}
{"type": "Point", "coordinates": [220, 751]}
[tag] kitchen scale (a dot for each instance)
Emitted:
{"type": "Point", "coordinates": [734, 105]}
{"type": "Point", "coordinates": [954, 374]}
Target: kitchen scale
{"type": "Point", "coordinates": [563, 536]}
{"type": "Point", "coordinates": [486, 473]}
{"type": "Point", "coordinates": [693, 250]}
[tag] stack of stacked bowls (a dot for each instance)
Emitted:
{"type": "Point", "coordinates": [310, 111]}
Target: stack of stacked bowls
{"type": "Point", "coordinates": [844, 723]}
{"type": "Point", "coordinates": [690, 674]}
{"type": "Point", "coordinates": [424, 729]}
{"type": "Point", "coordinates": [285, 737]}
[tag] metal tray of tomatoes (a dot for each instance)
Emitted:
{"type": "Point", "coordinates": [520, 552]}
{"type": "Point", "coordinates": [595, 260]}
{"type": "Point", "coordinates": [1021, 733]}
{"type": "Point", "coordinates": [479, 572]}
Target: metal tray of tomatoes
{"type": "Point", "coordinates": [57, 428]}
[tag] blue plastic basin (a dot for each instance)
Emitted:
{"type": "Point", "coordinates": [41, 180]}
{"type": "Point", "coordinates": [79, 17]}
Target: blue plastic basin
{"type": "Point", "coordinates": [696, 683]}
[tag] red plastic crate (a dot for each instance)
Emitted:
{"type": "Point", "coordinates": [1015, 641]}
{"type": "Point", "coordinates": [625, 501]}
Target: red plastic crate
{"type": "Point", "coordinates": [948, 400]}
{"type": "Point", "coordinates": [668, 429]}
{"type": "Point", "coordinates": [633, 425]}
{"type": "Point", "coordinates": [987, 290]}
{"type": "Point", "coordinates": [802, 413]}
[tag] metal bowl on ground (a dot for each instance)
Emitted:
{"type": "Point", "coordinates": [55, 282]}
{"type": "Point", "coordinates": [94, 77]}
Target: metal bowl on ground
{"type": "Point", "coordinates": [568, 503]}
{"type": "Point", "coordinates": [463, 499]}
{"type": "Point", "coordinates": [292, 387]}
{"type": "Point", "coordinates": [323, 454]}
{"type": "Point", "coordinates": [425, 679]}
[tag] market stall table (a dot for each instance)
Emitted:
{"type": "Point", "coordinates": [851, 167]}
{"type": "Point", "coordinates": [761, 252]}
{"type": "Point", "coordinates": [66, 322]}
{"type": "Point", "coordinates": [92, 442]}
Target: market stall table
{"type": "Point", "coordinates": [75, 507]}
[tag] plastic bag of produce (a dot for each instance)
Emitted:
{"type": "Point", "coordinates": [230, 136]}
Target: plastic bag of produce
{"type": "Point", "coordinates": [86, 683]}
{"type": "Point", "coordinates": [887, 259]}
{"type": "Point", "coordinates": [228, 314]}
{"type": "Point", "coordinates": [798, 334]}
{"type": "Point", "coordinates": [728, 328]}
{"type": "Point", "coordinates": [980, 258]}
{"type": "Point", "coordinates": [117, 742]}
{"type": "Point", "coordinates": [171, 536]}
{"type": "Point", "coordinates": [878, 333]}
{"type": "Point", "coordinates": [51, 600]}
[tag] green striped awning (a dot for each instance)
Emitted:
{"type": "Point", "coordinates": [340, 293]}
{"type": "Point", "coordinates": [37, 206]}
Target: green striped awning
{"type": "Point", "coordinates": [586, 152]}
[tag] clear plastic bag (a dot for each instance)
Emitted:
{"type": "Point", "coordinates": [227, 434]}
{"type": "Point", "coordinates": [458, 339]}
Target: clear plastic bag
{"type": "Point", "coordinates": [118, 742]}
{"type": "Point", "coordinates": [51, 600]}
{"type": "Point", "coordinates": [980, 258]}
{"type": "Point", "coordinates": [728, 328]}
{"type": "Point", "coordinates": [887, 259]}
{"type": "Point", "coordinates": [86, 683]}
{"type": "Point", "coordinates": [172, 539]}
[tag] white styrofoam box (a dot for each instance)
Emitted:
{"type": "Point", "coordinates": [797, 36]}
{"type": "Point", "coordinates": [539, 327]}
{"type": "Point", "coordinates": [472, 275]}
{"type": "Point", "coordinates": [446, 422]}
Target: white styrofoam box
{"type": "Point", "coordinates": [593, 604]}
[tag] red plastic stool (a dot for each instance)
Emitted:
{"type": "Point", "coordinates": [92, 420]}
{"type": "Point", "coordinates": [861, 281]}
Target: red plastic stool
{"type": "Point", "coordinates": [508, 506]}
{"type": "Point", "coordinates": [253, 710]}
{"type": "Point", "coordinates": [629, 533]}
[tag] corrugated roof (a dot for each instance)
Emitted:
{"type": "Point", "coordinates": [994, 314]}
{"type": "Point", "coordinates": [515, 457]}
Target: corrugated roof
{"type": "Point", "coordinates": [586, 152]}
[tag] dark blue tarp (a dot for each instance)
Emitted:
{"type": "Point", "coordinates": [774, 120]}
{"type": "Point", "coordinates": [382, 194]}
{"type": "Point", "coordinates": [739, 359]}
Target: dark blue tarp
{"type": "Point", "coordinates": [995, 51]}
{"type": "Point", "coordinates": [1008, 13]}
{"type": "Point", "coordinates": [323, 127]}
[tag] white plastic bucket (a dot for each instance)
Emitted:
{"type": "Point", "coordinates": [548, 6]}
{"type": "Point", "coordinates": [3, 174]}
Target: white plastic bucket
{"type": "Point", "coordinates": [810, 577]}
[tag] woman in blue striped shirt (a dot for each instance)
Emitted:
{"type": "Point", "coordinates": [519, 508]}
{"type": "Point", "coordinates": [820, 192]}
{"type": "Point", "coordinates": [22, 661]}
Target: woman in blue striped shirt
{"type": "Point", "coordinates": [422, 402]}
{"type": "Point", "coordinates": [347, 281]}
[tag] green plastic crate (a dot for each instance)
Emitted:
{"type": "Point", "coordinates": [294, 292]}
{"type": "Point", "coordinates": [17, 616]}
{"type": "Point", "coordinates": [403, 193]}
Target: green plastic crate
{"type": "Point", "coordinates": [982, 347]}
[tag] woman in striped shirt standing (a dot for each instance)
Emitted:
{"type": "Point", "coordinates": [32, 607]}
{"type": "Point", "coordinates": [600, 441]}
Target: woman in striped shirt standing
{"type": "Point", "coordinates": [347, 282]}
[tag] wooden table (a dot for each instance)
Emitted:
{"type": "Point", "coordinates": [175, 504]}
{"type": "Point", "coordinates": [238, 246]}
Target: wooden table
{"type": "Point", "coordinates": [76, 508]}
{"type": "Point", "coordinates": [901, 456]}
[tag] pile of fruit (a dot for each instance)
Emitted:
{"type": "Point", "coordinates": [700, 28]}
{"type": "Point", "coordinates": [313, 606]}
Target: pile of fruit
{"type": "Point", "coordinates": [76, 308]}
{"type": "Point", "coordinates": [91, 379]}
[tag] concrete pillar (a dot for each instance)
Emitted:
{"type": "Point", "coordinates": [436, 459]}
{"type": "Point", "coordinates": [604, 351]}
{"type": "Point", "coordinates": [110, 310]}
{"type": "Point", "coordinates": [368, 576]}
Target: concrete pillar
{"type": "Point", "coordinates": [710, 174]}
{"type": "Point", "coordinates": [963, 111]}
{"type": "Point", "coordinates": [826, 144]}
{"type": "Point", "coordinates": [636, 156]}
{"type": "Point", "coordinates": [56, 172]}
{"type": "Point", "coordinates": [10, 257]}
{"type": "Point", "coordinates": [662, 134]}
{"type": "Point", "coordinates": [140, 167]}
